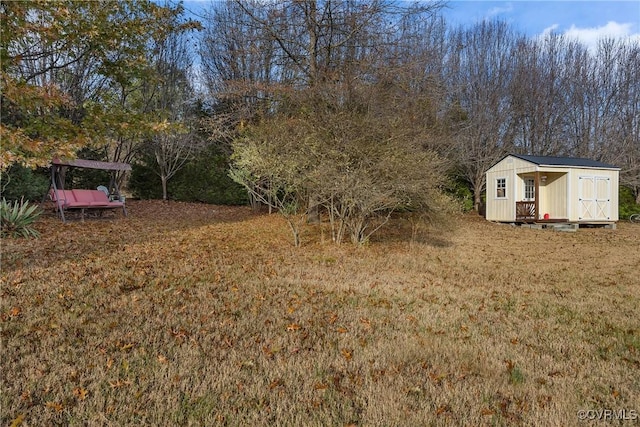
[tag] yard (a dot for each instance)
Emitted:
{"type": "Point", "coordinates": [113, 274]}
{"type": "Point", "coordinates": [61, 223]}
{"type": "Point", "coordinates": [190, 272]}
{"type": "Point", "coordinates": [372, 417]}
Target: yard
{"type": "Point", "coordinates": [186, 314]}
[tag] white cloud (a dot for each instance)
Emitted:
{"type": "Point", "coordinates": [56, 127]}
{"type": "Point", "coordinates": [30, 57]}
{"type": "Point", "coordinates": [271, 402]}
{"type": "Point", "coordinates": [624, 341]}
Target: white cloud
{"type": "Point", "coordinates": [500, 10]}
{"type": "Point", "coordinates": [590, 36]}
{"type": "Point", "coordinates": [549, 30]}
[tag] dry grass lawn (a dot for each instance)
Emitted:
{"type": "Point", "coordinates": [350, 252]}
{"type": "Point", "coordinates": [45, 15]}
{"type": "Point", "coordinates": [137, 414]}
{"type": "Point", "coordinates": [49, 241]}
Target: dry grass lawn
{"type": "Point", "coordinates": [187, 314]}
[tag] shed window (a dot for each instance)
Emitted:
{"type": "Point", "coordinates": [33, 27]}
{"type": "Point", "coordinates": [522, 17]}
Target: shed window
{"type": "Point", "coordinates": [501, 188]}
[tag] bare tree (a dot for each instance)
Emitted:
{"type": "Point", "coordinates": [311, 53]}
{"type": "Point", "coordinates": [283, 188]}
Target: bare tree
{"type": "Point", "coordinates": [265, 55]}
{"type": "Point", "coordinates": [537, 104]}
{"type": "Point", "coordinates": [481, 64]}
{"type": "Point", "coordinates": [175, 140]}
{"type": "Point", "coordinates": [622, 144]}
{"type": "Point", "coordinates": [253, 50]}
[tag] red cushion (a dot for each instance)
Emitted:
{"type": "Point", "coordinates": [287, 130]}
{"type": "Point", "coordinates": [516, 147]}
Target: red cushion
{"type": "Point", "coordinates": [69, 196]}
{"type": "Point", "coordinates": [86, 198]}
{"type": "Point", "coordinates": [99, 197]}
{"type": "Point", "coordinates": [83, 196]}
{"type": "Point", "coordinates": [62, 195]}
{"type": "Point", "coordinates": [77, 198]}
{"type": "Point", "coordinates": [64, 198]}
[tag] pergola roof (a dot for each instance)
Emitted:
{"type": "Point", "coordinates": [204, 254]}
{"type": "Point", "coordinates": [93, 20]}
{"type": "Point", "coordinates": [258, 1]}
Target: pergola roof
{"type": "Point", "coordinates": [93, 164]}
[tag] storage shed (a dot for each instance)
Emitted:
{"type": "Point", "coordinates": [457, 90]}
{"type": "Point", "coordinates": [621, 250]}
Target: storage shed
{"type": "Point", "coordinates": [527, 189]}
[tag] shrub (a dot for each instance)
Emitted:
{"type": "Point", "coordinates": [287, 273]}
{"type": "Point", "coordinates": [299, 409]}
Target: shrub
{"type": "Point", "coordinates": [203, 179]}
{"type": "Point", "coordinates": [17, 218]}
{"type": "Point", "coordinates": [21, 182]}
{"type": "Point", "coordinates": [627, 204]}
{"type": "Point", "coordinates": [359, 166]}
{"type": "Point", "coordinates": [144, 183]}
{"type": "Point", "coordinates": [459, 190]}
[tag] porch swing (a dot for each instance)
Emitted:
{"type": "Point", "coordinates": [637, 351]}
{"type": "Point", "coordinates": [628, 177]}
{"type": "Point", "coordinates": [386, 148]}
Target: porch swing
{"type": "Point", "coordinates": [83, 200]}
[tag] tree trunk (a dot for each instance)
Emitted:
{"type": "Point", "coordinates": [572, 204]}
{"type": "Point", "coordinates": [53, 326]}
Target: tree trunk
{"type": "Point", "coordinates": [477, 200]}
{"type": "Point", "coordinates": [478, 187]}
{"type": "Point", "coordinates": [313, 215]}
{"type": "Point", "coordinates": [163, 178]}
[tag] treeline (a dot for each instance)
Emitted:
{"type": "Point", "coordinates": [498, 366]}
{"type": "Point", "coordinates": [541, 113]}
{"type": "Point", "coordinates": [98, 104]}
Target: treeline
{"type": "Point", "coordinates": [313, 105]}
{"type": "Point", "coordinates": [478, 92]}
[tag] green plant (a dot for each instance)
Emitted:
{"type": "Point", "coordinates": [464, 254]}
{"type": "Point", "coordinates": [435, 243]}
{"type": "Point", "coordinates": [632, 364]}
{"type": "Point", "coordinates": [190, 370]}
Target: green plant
{"type": "Point", "coordinates": [203, 179]}
{"type": "Point", "coordinates": [17, 218]}
{"type": "Point", "coordinates": [627, 204]}
{"type": "Point", "coordinates": [19, 181]}
{"type": "Point", "coordinates": [516, 376]}
{"type": "Point", "coordinates": [460, 191]}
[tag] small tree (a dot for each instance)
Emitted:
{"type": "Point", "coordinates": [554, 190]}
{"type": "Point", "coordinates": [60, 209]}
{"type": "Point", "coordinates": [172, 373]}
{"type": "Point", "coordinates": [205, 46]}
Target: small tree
{"type": "Point", "coordinates": [361, 162]}
{"type": "Point", "coordinates": [172, 148]}
{"type": "Point", "coordinates": [369, 166]}
{"type": "Point", "coordinates": [269, 160]}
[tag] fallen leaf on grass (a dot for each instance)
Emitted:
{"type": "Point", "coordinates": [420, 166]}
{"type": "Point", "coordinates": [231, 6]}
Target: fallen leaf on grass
{"type": "Point", "coordinates": [55, 406]}
{"type": "Point", "coordinates": [509, 364]}
{"type": "Point", "coordinates": [119, 383]}
{"type": "Point", "coordinates": [125, 346]}
{"type": "Point", "coordinates": [437, 378]}
{"type": "Point", "coordinates": [293, 327]}
{"type": "Point", "coordinates": [276, 383]}
{"type": "Point", "coordinates": [80, 393]}
{"type": "Point", "coordinates": [443, 409]}
{"type": "Point", "coordinates": [347, 354]}
{"type": "Point", "coordinates": [365, 321]}
{"type": "Point", "coordinates": [17, 421]}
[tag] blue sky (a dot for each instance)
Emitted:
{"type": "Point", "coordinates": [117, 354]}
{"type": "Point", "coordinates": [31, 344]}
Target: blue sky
{"type": "Point", "coordinates": [585, 20]}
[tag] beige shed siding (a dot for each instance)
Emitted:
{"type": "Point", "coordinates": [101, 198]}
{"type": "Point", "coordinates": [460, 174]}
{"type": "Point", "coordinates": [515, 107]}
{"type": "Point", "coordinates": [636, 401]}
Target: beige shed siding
{"type": "Point", "coordinates": [615, 201]}
{"type": "Point", "coordinates": [521, 166]}
{"type": "Point", "coordinates": [501, 209]}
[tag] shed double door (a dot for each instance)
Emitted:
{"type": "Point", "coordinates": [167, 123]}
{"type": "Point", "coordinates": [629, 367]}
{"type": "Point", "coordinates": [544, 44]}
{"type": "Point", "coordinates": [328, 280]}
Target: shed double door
{"type": "Point", "coordinates": [594, 198]}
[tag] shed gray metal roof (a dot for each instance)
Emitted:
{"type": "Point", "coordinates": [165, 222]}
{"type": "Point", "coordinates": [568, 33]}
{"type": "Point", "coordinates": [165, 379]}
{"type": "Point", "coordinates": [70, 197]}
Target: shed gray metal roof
{"type": "Point", "coordinates": [564, 161]}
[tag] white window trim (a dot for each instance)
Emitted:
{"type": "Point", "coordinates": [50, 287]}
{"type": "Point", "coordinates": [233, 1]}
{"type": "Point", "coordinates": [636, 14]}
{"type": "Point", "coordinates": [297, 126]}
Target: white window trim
{"type": "Point", "coordinates": [495, 194]}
